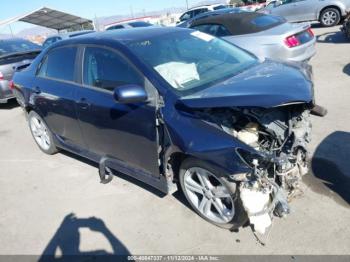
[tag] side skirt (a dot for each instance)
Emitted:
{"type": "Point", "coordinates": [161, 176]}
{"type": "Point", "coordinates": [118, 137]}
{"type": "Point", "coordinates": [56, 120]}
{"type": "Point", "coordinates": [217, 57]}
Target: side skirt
{"type": "Point", "coordinates": [160, 183]}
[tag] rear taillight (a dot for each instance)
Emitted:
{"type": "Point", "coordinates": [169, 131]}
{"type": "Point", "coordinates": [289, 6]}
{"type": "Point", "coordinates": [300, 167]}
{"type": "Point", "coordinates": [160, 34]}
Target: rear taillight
{"type": "Point", "coordinates": [11, 85]}
{"type": "Point", "coordinates": [311, 32]}
{"type": "Point", "coordinates": [1, 76]}
{"type": "Point", "coordinates": [292, 41]}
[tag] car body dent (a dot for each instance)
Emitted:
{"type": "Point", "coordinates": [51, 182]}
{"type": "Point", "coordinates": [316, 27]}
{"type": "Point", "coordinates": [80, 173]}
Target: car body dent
{"type": "Point", "coordinates": [269, 84]}
{"type": "Point", "coordinates": [213, 144]}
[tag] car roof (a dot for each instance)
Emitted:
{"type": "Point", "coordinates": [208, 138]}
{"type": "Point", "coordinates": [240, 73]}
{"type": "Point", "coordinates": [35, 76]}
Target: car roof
{"type": "Point", "coordinates": [228, 10]}
{"type": "Point", "coordinates": [68, 34]}
{"type": "Point", "coordinates": [13, 39]}
{"type": "Point", "coordinates": [128, 23]}
{"type": "Point", "coordinates": [236, 23]}
{"type": "Point", "coordinates": [125, 35]}
{"type": "Point", "coordinates": [205, 6]}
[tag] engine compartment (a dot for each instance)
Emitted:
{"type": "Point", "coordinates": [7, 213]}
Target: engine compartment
{"type": "Point", "coordinates": [278, 138]}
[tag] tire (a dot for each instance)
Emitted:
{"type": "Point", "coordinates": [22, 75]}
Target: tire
{"type": "Point", "coordinates": [41, 134]}
{"type": "Point", "coordinates": [330, 17]}
{"type": "Point", "coordinates": [190, 171]}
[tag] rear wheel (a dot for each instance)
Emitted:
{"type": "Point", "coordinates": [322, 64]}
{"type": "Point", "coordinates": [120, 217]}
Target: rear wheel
{"type": "Point", "coordinates": [41, 133]}
{"type": "Point", "coordinates": [330, 17]}
{"type": "Point", "coordinates": [212, 196]}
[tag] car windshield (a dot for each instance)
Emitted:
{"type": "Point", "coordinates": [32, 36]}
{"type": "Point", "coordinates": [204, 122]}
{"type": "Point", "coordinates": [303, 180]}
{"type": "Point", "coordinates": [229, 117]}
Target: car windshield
{"type": "Point", "coordinates": [16, 46]}
{"type": "Point", "coordinates": [190, 60]}
{"type": "Point", "coordinates": [219, 7]}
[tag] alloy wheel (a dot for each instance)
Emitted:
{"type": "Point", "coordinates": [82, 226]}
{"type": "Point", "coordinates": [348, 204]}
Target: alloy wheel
{"type": "Point", "coordinates": [329, 18]}
{"type": "Point", "coordinates": [40, 133]}
{"type": "Point", "coordinates": [208, 195]}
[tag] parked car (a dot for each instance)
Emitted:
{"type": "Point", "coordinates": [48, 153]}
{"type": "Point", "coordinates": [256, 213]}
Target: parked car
{"type": "Point", "coordinates": [171, 104]}
{"type": "Point", "coordinates": [55, 38]}
{"type": "Point", "coordinates": [346, 26]}
{"type": "Point", "coordinates": [15, 54]}
{"type": "Point", "coordinates": [128, 25]}
{"type": "Point", "coordinates": [192, 12]}
{"type": "Point", "coordinates": [187, 23]}
{"type": "Point", "coordinates": [263, 35]}
{"type": "Point", "coordinates": [327, 12]}
{"type": "Point", "coordinates": [249, 5]}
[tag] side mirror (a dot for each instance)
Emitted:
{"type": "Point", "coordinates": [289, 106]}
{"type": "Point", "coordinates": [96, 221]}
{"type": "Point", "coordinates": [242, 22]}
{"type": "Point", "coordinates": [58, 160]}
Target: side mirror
{"type": "Point", "coordinates": [127, 94]}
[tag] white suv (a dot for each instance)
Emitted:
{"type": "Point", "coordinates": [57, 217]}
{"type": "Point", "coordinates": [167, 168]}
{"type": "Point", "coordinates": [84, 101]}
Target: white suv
{"type": "Point", "coordinates": [199, 10]}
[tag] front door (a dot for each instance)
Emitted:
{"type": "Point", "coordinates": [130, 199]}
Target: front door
{"type": "Point", "coordinates": [126, 132]}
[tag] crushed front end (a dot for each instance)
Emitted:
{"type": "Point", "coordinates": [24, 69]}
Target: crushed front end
{"type": "Point", "coordinates": [276, 158]}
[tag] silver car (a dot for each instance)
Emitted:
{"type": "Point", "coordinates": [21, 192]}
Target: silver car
{"type": "Point", "coordinates": [327, 12]}
{"type": "Point", "coordinates": [55, 38]}
{"type": "Point", "coordinates": [266, 36]}
{"type": "Point", "coordinates": [133, 24]}
{"type": "Point", "coordinates": [15, 54]}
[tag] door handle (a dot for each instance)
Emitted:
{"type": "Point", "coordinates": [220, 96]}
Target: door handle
{"type": "Point", "coordinates": [37, 90]}
{"type": "Point", "coordinates": [83, 104]}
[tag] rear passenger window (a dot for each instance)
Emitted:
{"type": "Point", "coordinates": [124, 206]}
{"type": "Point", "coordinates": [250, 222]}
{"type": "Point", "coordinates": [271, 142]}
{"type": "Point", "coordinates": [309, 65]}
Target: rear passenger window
{"type": "Point", "coordinates": [213, 29]}
{"type": "Point", "coordinates": [59, 64]}
{"type": "Point", "coordinates": [105, 69]}
{"type": "Point", "coordinates": [267, 21]}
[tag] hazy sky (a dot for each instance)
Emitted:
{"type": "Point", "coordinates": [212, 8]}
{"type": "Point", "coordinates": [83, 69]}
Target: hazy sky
{"type": "Point", "coordinates": [87, 8]}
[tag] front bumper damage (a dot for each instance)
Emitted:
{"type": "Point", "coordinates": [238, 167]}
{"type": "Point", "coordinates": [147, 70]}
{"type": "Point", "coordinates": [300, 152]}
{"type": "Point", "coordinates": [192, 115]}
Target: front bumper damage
{"type": "Point", "coordinates": [276, 156]}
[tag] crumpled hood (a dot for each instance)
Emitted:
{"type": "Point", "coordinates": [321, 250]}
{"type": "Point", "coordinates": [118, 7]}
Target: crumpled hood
{"type": "Point", "coordinates": [267, 84]}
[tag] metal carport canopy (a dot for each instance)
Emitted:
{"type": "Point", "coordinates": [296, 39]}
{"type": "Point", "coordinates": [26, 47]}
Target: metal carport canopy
{"type": "Point", "coordinates": [49, 18]}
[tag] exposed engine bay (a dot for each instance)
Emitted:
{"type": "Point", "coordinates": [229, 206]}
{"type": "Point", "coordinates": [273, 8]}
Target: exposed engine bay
{"type": "Point", "coordinates": [277, 159]}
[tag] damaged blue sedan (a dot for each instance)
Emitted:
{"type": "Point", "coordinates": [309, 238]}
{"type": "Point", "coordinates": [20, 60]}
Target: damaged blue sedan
{"type": "Point", "coordinates": [176, 108]}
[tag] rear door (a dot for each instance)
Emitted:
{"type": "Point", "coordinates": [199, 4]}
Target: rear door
{"type": "Point", "coordinates": [55, 94]}
{"type": "Point", "coordinates": [125, 132]}
{"type": "Point", "coordinates": [295, 10]}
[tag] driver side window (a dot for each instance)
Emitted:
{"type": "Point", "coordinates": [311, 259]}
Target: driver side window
{"type": "Point", "coordinates": [105, 69]}
{"type": "Point", "coordinates": [213, 29]}
{"type": "Point", "coordinates": [186, 16]}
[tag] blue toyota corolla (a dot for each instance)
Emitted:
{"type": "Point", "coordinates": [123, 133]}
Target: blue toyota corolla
{"type": "Point", "coordinates": [172, 106]}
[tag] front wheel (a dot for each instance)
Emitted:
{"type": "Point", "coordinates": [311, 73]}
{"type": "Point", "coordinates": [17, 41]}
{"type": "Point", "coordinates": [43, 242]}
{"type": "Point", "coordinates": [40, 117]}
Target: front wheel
{"type": "Point", "coordinates": [330, 17]}
{"type": "Point", "coordinates": [211, 195]}
{"type": "Point", "coordinates": [41, 133]}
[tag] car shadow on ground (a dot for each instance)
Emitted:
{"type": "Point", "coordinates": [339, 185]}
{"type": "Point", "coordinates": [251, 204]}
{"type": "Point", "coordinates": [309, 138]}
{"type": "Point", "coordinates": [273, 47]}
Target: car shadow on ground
{"type": "Point", "coordinates": [64, 245]}
{"type": "Point", "coordinates": [316, 25]}
{"type": "Point", "coordinates": [332, 37]}
{"type": "Point", "coordinates": [12, 103]}
{"type": "Point", "coordinates": [330, 167]}
{"type": "Point", "coordinates": [116, 173]}
{"type": "Point", "coordinates": [346, 69]}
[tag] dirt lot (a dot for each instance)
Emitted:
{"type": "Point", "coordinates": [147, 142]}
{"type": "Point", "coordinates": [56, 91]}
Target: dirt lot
{"type": "Point", "coordinates": [39, 192]}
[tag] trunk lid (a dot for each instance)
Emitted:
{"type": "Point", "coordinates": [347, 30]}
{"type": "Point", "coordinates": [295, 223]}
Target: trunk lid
{"type": "Point", "coordinates": [9, 63]}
